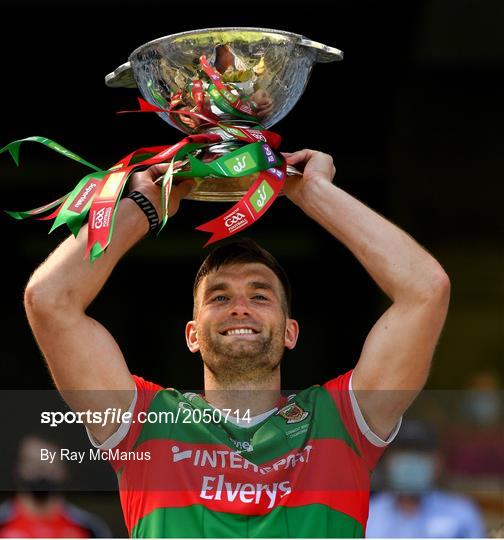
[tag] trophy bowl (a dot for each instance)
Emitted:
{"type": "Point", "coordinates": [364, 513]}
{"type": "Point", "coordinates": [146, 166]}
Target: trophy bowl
{"type": "Point", "coordinates": [267, 69]}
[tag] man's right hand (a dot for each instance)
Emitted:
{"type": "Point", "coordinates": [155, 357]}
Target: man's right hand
{"type": "Point", "coordinates": [144, 182]}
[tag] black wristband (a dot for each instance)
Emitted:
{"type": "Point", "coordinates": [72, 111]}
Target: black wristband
{"type": "Point", "coordinates": [147, 208]}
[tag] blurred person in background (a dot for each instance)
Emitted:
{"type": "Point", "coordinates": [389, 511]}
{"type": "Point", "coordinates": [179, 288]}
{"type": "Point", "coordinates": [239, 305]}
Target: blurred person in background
{"type": "Point", "coordinates": [39, 510]}
{"type": "Point", "coordinates": [413, 506]}
{"type": "Point", "coordinates": [478, 457]}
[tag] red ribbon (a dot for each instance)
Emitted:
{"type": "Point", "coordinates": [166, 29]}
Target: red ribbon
{"type": "Point", "coordinates": [246, 210]}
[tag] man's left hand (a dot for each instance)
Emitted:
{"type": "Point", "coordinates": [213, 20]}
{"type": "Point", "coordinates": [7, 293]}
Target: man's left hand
{"type": "Point", "coordinates": [316, 167]}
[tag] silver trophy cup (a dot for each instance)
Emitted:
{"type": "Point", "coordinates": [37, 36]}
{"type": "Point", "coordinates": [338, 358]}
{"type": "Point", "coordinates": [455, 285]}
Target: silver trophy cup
{"type": "Point", "coordinates": [267, 68]}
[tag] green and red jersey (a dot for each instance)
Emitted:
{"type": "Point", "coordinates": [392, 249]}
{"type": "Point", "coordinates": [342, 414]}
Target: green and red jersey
{"type": "Point", "coordinates": [304, 471]}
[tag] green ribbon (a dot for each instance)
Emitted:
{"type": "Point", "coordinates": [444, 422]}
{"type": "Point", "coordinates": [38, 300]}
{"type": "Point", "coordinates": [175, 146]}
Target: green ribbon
{"type": "Point", "coordinates": [74, 220]}
{"type": "Point", "coordinates": [245, 160]}
{"type": "Point", "coordinates": [240, 162]}
{"type": "Point", "coordinates": [223, 104]}
{"type": "Point", "coordinates": [36, 211]}
{"type": "Point", "coordinates": [14, 148]}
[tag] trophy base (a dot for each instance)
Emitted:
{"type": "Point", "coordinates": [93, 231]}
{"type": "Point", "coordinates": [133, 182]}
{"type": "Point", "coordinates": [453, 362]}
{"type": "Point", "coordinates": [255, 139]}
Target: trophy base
{"type": "Point", "coordinates": [227, 189]}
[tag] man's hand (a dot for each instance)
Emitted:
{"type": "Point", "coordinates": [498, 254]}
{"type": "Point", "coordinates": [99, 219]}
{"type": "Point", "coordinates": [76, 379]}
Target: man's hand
{"type": "Point", "coordinates": [144, 182]}
{"type": "Point", "coordinates": [316, 166]}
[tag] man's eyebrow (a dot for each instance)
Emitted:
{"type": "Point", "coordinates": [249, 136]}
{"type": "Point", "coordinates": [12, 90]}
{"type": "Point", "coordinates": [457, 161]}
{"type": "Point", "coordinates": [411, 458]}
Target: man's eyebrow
{"type": "Point", "coordinates": [216, 287]}
{"type": "Point", "coordinates": [260, 285]}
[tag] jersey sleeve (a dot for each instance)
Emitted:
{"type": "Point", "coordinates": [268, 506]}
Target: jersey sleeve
{"type": "Point", "coordinates": [127, 433]}
{"type": "Point", "coordinates": [370, 445]}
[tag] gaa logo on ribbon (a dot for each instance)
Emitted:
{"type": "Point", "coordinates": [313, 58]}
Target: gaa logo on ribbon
{"type": "Point", "coordinates": [101, 218]}
{"type": "Point", "coordinates": [234, 221]}
{"type": "Point", "coordinates": [257, 135]}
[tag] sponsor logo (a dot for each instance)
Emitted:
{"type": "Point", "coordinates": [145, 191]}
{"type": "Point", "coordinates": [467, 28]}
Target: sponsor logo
{"type": "Point", "coordinates": [217, 489]}
{"type": "Point", "coordinates": [83, 196]}
{"type": "Point", "coordinates": [243, 446]}
{"type": "Point", "coordinates": [235, 220]}
{"type": "Point", "coordinates": [293, 413]}
{"type": "Point", "coordinates": [277, 172]}
{"type": "Point", "coordinates": [261, 196]}
{"type": "Point", "coordinates": [241, 164]}
{"type": "Point", "coordinates": [101, 218]}
{"type": "Point", "coordinates": [268, 153]}
{"type": "Point", "coordinates": [297, 431]}
{"type": "Point", "coordinates": [180, 456]}
{"type": "Point", "coordinates": [231, 459]}
{"type": "Point", "coordinates": [215, 77]}
{"type": "Point", "coordinates": [257, 135]}
{"type": "Point", "coordinates": [246, 108]}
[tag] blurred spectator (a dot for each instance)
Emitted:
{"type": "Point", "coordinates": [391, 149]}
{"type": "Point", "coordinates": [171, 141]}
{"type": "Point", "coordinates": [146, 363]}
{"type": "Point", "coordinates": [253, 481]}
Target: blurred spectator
{"type": "Point", "coordinates": [473, 446]}
{"type": "Point", "coordinates": [413, 507]}
{"type": "Point", "coordinates": [38, 510]}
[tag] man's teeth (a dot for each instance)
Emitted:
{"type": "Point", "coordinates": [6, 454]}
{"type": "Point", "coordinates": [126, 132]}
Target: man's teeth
{"type": "Point", "coordinates": [239, 331]}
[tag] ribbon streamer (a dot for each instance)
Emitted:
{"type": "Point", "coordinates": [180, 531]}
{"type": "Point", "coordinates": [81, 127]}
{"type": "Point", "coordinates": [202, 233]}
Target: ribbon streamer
{"type": "Point", "coordinates": [96, 196]}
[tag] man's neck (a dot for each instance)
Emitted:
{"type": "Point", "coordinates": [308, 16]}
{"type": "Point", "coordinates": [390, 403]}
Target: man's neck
{"type": "Point", "coordinates": [248, 397]}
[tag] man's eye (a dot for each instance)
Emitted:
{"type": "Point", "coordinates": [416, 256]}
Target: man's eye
{"type": "Point", "coordinates": [219, 298]}
{"type": "Point", "coordinates": [259, 297]}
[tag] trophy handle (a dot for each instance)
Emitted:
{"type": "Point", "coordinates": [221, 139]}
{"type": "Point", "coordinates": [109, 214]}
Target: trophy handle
{"type": "Point", "coordinates": [323, 52]}
{"type": "Point", "coordinates": [121, 77]}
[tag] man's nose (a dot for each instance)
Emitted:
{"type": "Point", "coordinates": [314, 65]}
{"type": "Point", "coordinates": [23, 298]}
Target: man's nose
{"type": "Point", "coordinates": [240, 306]}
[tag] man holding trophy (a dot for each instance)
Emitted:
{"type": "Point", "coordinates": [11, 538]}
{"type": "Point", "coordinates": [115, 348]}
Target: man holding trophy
{"type": "Point", "coordinates": [276, 466]}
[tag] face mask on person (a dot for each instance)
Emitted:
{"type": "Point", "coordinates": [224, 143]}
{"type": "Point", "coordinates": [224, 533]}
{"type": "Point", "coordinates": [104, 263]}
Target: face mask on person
{"type": "Point", "coordinates": [411, 471]}
{"type": "Point", "coordinates": [40, 488]}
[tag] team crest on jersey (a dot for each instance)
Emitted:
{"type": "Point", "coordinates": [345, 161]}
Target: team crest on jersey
{"type": "Point", "coordinates": [293, 413]}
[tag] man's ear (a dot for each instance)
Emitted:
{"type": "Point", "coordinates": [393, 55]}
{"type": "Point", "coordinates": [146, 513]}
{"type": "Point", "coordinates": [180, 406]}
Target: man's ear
{"type": "Point", "coordinates": [291, 333]}
{"type": "Point", "coordinates": [191, 336]}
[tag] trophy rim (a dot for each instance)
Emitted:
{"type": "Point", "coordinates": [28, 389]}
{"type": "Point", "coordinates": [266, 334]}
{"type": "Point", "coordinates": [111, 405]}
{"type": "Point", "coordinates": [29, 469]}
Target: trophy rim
{"type": "Point", "coordinates": [123, 75]}
{"type": "Point", "coordinates": [321, 55]}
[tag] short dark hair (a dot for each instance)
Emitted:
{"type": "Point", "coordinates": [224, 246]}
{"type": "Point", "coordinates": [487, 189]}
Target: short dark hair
{"type": "Point", "coordinates": [241, 251]}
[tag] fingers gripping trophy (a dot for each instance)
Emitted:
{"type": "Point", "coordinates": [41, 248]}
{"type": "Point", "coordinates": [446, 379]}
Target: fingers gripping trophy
{"type": "Point", "coordinates": [224, 88]}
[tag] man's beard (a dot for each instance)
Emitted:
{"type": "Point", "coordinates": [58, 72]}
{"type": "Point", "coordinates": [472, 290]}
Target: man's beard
{"type": "Point", "coordinates": [242, 361]}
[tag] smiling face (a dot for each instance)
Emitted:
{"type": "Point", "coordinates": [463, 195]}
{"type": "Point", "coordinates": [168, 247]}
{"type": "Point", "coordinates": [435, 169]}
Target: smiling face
{"type": "Point", "coordinates": [240, 326]}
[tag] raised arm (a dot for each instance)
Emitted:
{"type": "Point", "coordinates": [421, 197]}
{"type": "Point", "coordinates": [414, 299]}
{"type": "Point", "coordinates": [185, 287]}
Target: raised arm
{"type": "Point", "coordinates": [85, 361]}
{"type": "Point", "coordinates": [396, 357]}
